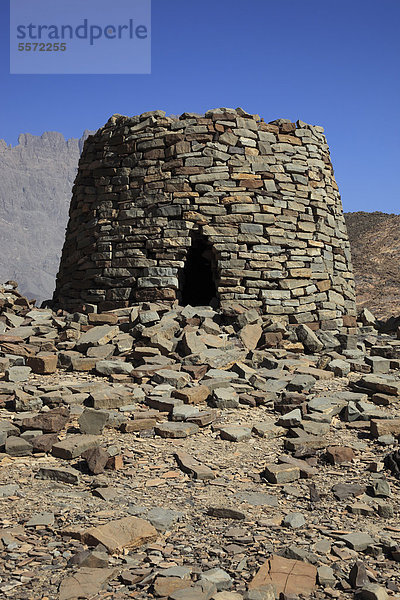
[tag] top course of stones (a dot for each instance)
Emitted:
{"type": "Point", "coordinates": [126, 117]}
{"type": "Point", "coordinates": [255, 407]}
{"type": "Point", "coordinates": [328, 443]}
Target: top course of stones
{"type": "Point", "coordinates": [221, 209]}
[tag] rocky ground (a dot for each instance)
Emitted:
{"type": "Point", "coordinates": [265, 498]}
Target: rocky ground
{"type": "Point", "coordinates": [176, 453]}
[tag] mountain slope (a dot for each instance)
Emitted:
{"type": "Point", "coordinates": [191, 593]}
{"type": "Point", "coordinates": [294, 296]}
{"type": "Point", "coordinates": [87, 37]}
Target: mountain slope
{"type": "Point", "coordinates": [375, 248]}
{"type": "Point", "coordinates": [36, 178]}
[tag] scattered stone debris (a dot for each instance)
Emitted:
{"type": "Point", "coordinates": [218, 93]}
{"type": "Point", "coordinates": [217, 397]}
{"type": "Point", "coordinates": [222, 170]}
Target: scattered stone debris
{"type": "Point", "coordinates": [180, 471]}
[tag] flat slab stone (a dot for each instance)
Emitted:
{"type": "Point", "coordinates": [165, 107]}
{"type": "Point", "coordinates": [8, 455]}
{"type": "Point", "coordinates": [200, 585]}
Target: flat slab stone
{"type": "Point", "coordinates": [178, 379]}
{"type": "Point", "coordinates": [281, 473]}
{"type": "Point", "coordinates": [128, 532]}
{"type": "Point", "coordinates": [17, 446]}
{"type": "Point", "coordinates": [258, 499]}
{"type": "Point", "coordinates": [92, 421]}
{"type": "Point", "coordinates": [8, 490]}
{"type": "Point", "coordinates": [287, 575]}
{"type": "Point", "coordinates": [175, 430]}
{"type": "Point", "coordinates": [74, 445]}
{"type": "Point", "coordinates": [97, 336]}
{"type": "Point", "coordinates": [268, 430]}
{"type": "Point", "coordinates": [225, 512]}
{"type": "Point", "coordinates": [85, 583]}
{"type": "Point", "coordinates": [358, 540]}
{"type": "Point", "coordinates": [184, 412]}
{"type": "Point", "coordinates": [43, 519]}
{"type": "Point", "coordinates": [108, 397]}
{"type": "Point", "coordinates": [193, 467]}
{"type": "Point", "coordinates": [380, 427]}
{"type": "Point", "coordinates": [163, 518]}
{"type": "Point", "coordinates": [59, 474]}
{"type": "Point", "coordinates": [386, 385]}
{"type": "Point", "coordinates": [113, 367]}
{"type": "Point", "coordinates": [17, 374]}
{"type": "Point", "coordinates": [235, 433]}
{"type": "Point", "coordinates": [193, 395]}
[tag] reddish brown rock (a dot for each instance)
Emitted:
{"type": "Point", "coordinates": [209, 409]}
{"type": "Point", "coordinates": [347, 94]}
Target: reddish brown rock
{"type": "Point", "coordinates": [165, 586]}
{"type": "Point", "coordinates": [75, 445]}
{"type": "Point", "coordinates": [44, 443]}
{"type": "Point", "coordinates": [385, 427]}
{"type": "Point", "coordinates": [96, 459]}
{"type": "Point", "coordinates": [339, 454]}
{"type": "Point", "coordinates": [85, 583]}
{"type": "Point", "coordinates": [287, 575]}
{"type": "Point", "coordinates": [250, 335]}
{"type": "Point", "coordinates": [83, 363]}
{"type": "Point", "coordinates": [50, 422]}
{"type": "Point", "coordinates": [138, 425]}
{"type": "Point", "coordinates": [194, 395]}
{"type": "Point", "coordinates": [115, 462]}
{"type": "Point", "coordinates": [102, 319]}
{"type": "Point", "coordinates": [43, 364]}
{"type": "Point", "coordinates": [129, 532]}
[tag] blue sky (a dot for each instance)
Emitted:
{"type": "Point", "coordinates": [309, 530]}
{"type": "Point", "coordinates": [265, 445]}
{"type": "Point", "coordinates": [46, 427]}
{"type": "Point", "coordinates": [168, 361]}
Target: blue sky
{"type": "Point", "coordinates": [333, 63]}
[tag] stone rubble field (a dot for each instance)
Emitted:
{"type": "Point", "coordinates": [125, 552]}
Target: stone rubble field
{"type": "Point", "coordinates": [184, 454]}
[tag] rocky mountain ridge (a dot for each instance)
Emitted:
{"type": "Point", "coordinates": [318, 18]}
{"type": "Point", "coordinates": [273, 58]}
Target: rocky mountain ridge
{"type": "Point", "coordinates": [36, 178]}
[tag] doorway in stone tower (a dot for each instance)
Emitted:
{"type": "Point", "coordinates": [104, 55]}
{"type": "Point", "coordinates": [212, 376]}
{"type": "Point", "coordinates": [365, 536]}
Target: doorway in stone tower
{"type": "Point", "coordinates": [198, 286]}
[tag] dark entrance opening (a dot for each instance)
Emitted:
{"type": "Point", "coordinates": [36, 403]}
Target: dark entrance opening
{"type": "Point", "coordinates": [199, 287]}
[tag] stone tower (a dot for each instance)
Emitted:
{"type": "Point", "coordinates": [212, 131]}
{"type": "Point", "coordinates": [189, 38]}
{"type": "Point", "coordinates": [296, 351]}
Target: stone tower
{"type": "Point", "coordinates": [220, 208]}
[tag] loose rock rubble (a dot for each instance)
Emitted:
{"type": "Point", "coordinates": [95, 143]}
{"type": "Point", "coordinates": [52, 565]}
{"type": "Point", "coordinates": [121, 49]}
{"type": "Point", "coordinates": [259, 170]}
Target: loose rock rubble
{"type": "Point", "coordinates": [150, 452]}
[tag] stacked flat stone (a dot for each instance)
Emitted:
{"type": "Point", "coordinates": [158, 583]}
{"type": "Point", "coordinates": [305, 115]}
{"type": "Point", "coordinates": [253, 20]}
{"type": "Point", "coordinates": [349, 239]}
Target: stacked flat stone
{"type": "Point", "coordinates": [263, 196]}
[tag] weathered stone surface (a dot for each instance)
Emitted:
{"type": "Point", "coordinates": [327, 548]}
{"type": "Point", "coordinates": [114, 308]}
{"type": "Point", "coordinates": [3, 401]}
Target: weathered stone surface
{"type": "Point", "coordinates": [74, 445]}
{"type": "Point", "coordinates": [96, 459]}
{"type": "Point", "coordinates": [193, 467]}
{"type": "Point", "coordinates": [17, 374]}
{"type": "Point", "coordinates": [97, 336]}
{"type": "Point", "coordinates": [43, 364]}
{"type": "Point", "coordinates": [281, 473]}
{"type": "Point", "coordinates": [193, 395]}
{"type": "Point", "coordinates": [128, 532]}
{"type": "Point", "coordinates": [372, 591]}
{"type": "Point", "coordinates": [225, 512]}
{"type": "Point", "coordinates": [8, 490]}
{"type": "Point", "coordinates": [250, 335]}
{"type": "Point", "coordinates": [217, 577]}
{"type": "Point", "coordinates": [17, 446]}
{"type": "Point", "coordinates": [381, 427]}
{"type": "Point", "coordinates": [41, 519]}
{"type": "Point", "coordinates": [138, 425]}
{"type": "Point", "coordinates": [111, 367]}
{"type": "Point", "coordinates": [339, 454]}
{"type": "Point", "coordinates": [288, 576]}
{"type": "Point", "coordinates": [163, 518]}
{"type": "Point", "coordinates": [235, 433]}
{"type": "Point", "coordinates": [308, 338]}
{"type": "Point", "coordinates": [165, 586]}
{"type": "Point", "coordinates": [92, 422]}
{"type": "Point", "coordinates": [59, 474]}
{"type": "Point", "coordinates": [44, 443]}
{"type": "Point", "coordinates": [49, 422]}
{"type": "Point", "coordinates": [85, 583]}
{"type": "Point", "coordinates": [381, 384]}
{"type": "Point", "coordinates": [358, 541]}
{"type": "Point", "coordinates": [175, 430]}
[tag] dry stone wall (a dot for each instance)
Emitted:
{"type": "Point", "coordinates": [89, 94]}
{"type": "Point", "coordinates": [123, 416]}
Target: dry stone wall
{"type": "Point", "coordinates": [220, 208]}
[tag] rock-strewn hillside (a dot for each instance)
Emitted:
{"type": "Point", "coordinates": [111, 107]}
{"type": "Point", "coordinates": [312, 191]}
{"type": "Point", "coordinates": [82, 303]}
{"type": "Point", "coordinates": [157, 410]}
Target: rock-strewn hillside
{"type": "Point", "coordinates": [36, 178]}
{"type": "Point", "coordinates": [375, 247]}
